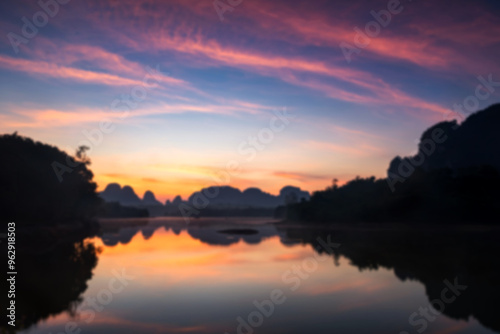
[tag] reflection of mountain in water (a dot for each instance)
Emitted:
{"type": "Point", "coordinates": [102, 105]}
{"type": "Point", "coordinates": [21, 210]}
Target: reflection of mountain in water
{"type": "Point", "coordinates": [52, 274]}
{"type": "Point", "coordinates": [210, 231]}
{"type": "Point", "coordinates": [427, 256]}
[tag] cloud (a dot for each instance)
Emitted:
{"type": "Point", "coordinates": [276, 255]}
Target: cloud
{"type": "Point", "coordinates": [360, 150]}
{"type": "Point", "coordinates": [303, 177]}
{"type": "Point", "coordinates": [351, 85]}
{"type": "Point", "coordinates": [45, 69]}
{"type": "Point", "coordinates": [19, 117]}
{"type": "Point", "coordinates": [329, 76]}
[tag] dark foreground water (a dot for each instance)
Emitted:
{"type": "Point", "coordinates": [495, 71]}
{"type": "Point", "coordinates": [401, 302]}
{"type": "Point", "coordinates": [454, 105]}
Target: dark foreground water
{"type": "Point", "coordinates": [163, 276]}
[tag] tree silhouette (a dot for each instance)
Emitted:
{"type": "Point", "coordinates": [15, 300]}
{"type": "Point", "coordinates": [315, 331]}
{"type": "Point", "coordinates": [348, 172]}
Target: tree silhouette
{"type": "Point", "coordinates": [31, 190]}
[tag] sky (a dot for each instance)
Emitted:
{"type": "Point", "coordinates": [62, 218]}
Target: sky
{"type": "Point", "coordinates": [176, 95]}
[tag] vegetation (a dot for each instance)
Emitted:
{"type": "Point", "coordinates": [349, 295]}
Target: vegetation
{"type": "Point", "coordinates": [454, 177]}
{"type": "Point", "coordinates": [116, 210]}
{"type": "Point", "coordinates": [40, 183]}
{"type": "Point", "coordinates": [471, 195]}
{"type": "Point", "coordinates": [54, 270]}
{"type": "Point", "coordinates": [428, 255]}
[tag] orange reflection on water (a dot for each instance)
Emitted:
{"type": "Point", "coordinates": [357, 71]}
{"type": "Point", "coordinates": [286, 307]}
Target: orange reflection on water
{"type": "Point", "coordinates": [167, 257]}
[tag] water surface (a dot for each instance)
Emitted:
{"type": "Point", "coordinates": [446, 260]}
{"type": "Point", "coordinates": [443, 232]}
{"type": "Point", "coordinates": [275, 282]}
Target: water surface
{"type": "Point", "coordinates": [244, 276]}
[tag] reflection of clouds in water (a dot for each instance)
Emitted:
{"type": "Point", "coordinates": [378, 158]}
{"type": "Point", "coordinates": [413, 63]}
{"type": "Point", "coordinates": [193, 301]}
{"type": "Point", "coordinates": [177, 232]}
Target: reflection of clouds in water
{"type": "Point", "coordinates": [184, 273]}
{"type": "Point", "coordinates": [429, 256]}
{"type": "Point", "coordinates": [444, 255]}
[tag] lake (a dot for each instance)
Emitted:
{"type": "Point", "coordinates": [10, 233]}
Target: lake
{"type": "Point", "coordinates": [244, 275]}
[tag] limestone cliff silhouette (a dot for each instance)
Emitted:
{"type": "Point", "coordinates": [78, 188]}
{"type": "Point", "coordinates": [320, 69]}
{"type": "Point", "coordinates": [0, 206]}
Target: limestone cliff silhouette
{"type": "Point", "coordinates": [226, 196]}
{"type": "Point", "coordinates": [150, 199]}
{"type": "Point", "coordinates": [125, 196]}
{"type": "Point", "coordinates": [454, 178]}
{"type": "Point", "coordinates": [474, 143]}
{"type": "Point", "coordinates": [224, 200]}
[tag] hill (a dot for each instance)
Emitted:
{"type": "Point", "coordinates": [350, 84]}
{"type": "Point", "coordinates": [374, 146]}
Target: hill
{"type": "Point", "coordinates": [40, 184]}
{"type": "Point", "coordinates": [455, 177]}
{"type": "Point", "coordinates": [221, 200]}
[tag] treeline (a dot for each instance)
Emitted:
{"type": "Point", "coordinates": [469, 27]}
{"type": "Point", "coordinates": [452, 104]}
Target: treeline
{"type": "Point", "coordinates": [454, 177]}
{"type": "Point", "coordinates": [182, 210]}
{"type": "Point", "coordinates": [32, 190]}
{"type": "Point", "coordinates": [116, 210]}
{"type": "Point", "coordinates": [428, 255]}
{"type": "Point", "coordinates": [442, 196]}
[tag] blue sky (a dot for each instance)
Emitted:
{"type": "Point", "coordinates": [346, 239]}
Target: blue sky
{"type": "Point", "coordinates": [221, 83]}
